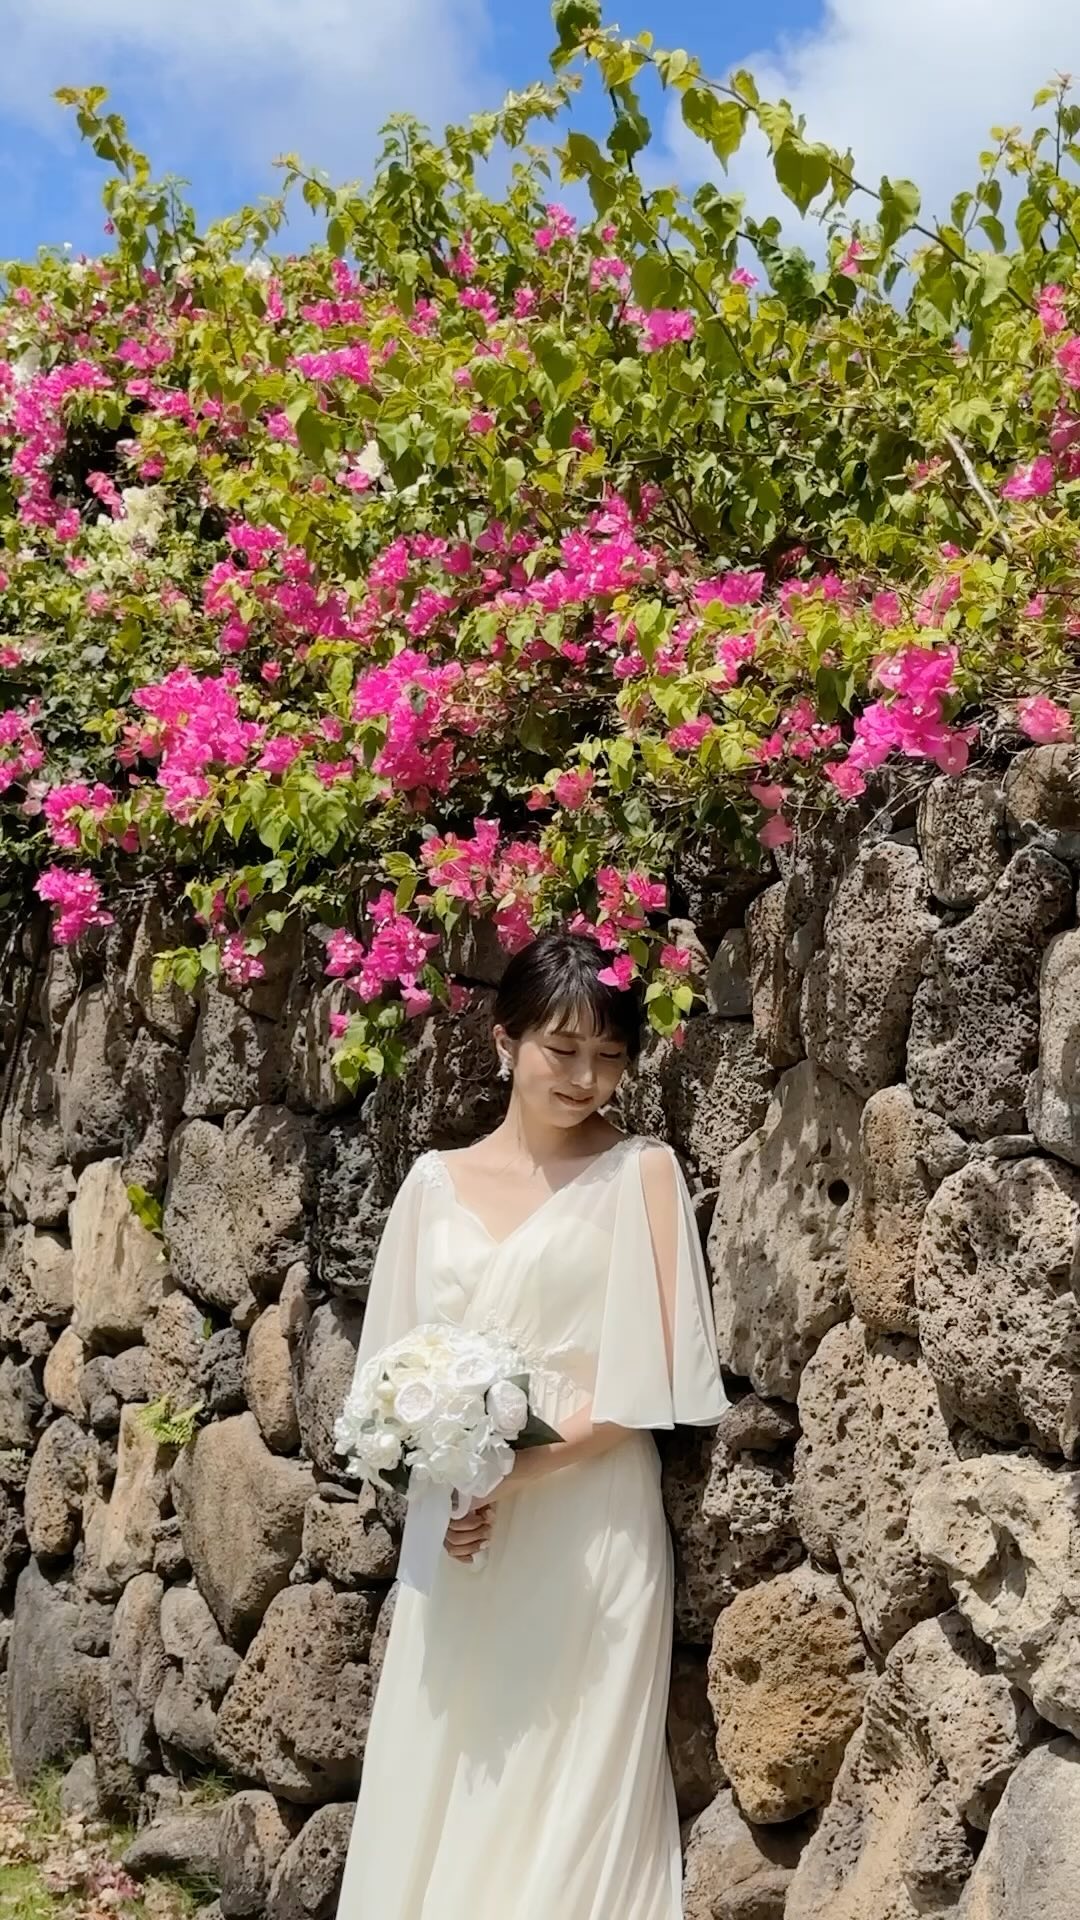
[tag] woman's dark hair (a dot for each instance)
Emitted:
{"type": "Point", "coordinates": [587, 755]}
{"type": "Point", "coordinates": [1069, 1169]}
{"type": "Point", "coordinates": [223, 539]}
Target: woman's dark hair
{"type": "Point", "coordinates": [555, 977]}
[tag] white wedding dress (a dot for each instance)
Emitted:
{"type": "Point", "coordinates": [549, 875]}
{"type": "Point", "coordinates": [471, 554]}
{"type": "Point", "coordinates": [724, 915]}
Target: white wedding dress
{"type": "Point", "coordinates": [516, 1765]}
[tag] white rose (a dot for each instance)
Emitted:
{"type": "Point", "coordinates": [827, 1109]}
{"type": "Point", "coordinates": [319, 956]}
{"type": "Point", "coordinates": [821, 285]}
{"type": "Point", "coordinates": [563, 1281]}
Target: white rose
{"type": "Point", "coordinates": [415, 1402]}
{"type": "Point", "coordinates": [508, 1407]}
{"type": "Point", "coordinates": [380, 1451]}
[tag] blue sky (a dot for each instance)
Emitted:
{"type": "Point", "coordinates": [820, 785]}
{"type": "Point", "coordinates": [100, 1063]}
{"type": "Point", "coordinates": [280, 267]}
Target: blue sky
{"type": "Point", "coordinates": [214, 88]}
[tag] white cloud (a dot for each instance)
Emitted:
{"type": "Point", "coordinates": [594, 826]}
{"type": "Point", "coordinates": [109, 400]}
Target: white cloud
{"type": "Point", "coordinates": [244, 80]}
{"type": "Point", "coordinates": [912, 86]}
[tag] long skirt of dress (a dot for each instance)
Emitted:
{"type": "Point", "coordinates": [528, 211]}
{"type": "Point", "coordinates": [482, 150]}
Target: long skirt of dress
{"type": "Point", "coordinates": [516, 1765]}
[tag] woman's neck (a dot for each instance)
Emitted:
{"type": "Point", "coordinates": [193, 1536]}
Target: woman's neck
{"type": "Point", "coordinates": [539, 1143]}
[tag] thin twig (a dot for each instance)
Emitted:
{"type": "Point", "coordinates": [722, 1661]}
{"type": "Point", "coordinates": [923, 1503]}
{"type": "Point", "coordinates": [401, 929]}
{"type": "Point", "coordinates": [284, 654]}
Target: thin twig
{"type": "Point", "coordinates": [965, 464]}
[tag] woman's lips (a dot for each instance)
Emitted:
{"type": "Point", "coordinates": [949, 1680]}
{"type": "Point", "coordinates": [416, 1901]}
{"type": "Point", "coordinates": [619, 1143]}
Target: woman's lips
{"type": "Point", "coordinates": [571, 1101]}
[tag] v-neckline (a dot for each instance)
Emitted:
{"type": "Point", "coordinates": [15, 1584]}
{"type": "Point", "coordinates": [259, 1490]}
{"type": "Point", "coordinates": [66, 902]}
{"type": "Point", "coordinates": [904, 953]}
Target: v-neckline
{"type": "Point", "coordinates": [596, 1161]}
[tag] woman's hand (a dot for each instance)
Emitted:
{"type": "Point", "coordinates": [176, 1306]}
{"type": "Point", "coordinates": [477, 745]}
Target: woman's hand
{"type": "Point", "coordinates": [467, 1535]}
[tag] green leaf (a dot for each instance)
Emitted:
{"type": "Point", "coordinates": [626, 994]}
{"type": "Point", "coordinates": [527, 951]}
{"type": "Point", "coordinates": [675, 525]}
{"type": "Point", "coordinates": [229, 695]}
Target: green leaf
{"type": "Point", "coordinates": [900, 203]}
{"type": "Point", "coordinates": [720, 123]}
{"type": "Point", "coordinates": [802, 170]}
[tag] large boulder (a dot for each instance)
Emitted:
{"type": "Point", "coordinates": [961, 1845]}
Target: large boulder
{"type": "Point", "coordinates": [46, 1678]}
{"type": "Point", "coordinates": [962, 838]}
{"type": "Point", "coordinates": [1053, 1104]}
{"type": "Point", "coordinates": [691, 1741]}
{"type": "Point", "coordinates": [906, 1154]}
{"type": "Point", "coordinates": [61, 1473]}
{"type": "Point", "coordinates": [351, 1204]}
{"type": "Point", "coordinates": [137, 1504]}
{"type": "Point", "coordinates": [313, 1084]}
{"type": "Point", "coordinates": [324, 1344]}
{"type": "Point", "coordinates": [735, 1871]}
{"type": "Point", "coordinates": [234, 1212]}
{"type": "Point", "coordinates": [63, 1374]}
{"type": "Point", "coordinates": [176, 1340]}
{"type": "Point", "coordinates": [38, 1178]}
{"type": "Point", "coordinates": [241, 1511]}
{"type": "Point", "coordinates": [89, 1077]}
{"type": "Point", "coordinates": [181, 1844]}
{"type": "Point", "coordinates": [939, 1738]}
{"type": "Point", "coordinates": [21, 1401]}
{"type": "Point", "coordinates": [296, 1716]}
{"type": "Point", "coordinates": [872, 1429]}
{"type": "Point", "coordinates": [153, 1090]}
{"type": "Point", "coordinates": [255, 1831]}
{"type": "Point", "coordinates": [50, 1270]}
{"type": "Point", "coordinates": [307, 1880]}
{"type": "Point", "coordinates": [731, 1515]}
{"type": "Point", "coordinates": [704, 1096]}
{"type": "Point", "coordinates": [138, 1666]}
{"type": "Point", "coordinates": [728, 989]}
{"type": "Point", "coordinates": [975, 1023]}
{"type": "Point", "coordinates": [350, 1536]}
{"type": "Point", "coordinates": [1042, 801]}
{"type": "Point", "coordinates": [858, 993]}
{"type": "Point", "coordinates": [778, 1242]}
{"type": "Point", "coordinates": [268, 1385]}
{"type": "Point", "coordinates": [237, 1059]}
{"type": "Point", "coordinates": [164, 1007]}
{"type": "Point", "coordinates": [775, 977]}
{"type": "Point", "coordinates": [787, 1676]}
{"type": "Point", "coordinates": [999, 1324]}
{"type": "Point", "coordinates": [191, 1636]}
{"type": "Point", "coordinates": [1029, 1868]}
{"type": "Point", "coordinates": [119, 1265]}
{"type": "Point", "coordinates": [1005, 1530]}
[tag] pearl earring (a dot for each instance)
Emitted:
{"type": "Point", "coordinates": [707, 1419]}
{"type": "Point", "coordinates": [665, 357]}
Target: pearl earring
{"type": "Point", "coordinates": [504, 1066]}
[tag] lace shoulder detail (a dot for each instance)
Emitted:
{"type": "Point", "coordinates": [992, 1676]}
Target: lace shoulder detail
{"type": "Point", "coordinates": [430, 1169]}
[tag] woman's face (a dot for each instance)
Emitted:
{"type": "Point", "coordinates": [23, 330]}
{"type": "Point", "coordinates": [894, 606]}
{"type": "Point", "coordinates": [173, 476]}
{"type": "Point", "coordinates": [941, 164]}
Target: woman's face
{"type": "Point", "coordinates": [563, 1073]}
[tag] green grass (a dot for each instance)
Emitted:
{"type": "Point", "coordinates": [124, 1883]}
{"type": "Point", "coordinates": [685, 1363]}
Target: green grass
{"type": "Point", "coordinates": [22, 1896]}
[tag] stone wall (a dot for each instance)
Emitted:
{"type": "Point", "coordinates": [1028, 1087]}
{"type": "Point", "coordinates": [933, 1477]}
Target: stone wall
{"type": "Point", "coordinates": [876, 1681]}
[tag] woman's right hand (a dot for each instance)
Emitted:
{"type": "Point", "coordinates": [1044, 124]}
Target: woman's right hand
{"type": "Point", "coordinates": [469, 1534]}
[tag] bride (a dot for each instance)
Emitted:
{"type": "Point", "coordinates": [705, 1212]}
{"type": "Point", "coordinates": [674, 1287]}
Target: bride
{"type": "Point", "coordinates": [516, 1766]}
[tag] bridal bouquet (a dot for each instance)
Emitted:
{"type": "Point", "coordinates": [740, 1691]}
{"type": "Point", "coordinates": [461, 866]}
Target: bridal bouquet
{"type": "Point", "coordinates": [439, 1416]}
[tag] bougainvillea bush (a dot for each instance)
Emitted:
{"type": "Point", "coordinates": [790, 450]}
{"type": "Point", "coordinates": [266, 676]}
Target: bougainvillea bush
{"type": "Point", "coordinates": [485, 556]}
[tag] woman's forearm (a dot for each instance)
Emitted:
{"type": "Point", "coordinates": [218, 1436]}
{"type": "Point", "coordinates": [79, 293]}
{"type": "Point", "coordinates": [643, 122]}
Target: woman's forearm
{"type": "Point", "coordinates": [581, 1440]}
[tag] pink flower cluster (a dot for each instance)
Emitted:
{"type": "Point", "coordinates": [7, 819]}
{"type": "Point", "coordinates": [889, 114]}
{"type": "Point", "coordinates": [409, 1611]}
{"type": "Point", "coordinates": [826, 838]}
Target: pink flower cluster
{"type": "Point", "coordinates": [40, 434]}
{"type": "Point", "coordinates": [560, 225]}
{"type": "Point", "coordinates": [194, 729]}
{"type": "Point", "coordinates": [76, 898]}
{"type": "Point", "coordinates": [64, 808]}
{"type": "Point", "coordinates": [414, 698]}
{"type": "Point", "coordinates": [336, 363]}
{"type": "Point", "coordinates": [395, 956]}
{"type": "Point", "coordinates": [17, 731]}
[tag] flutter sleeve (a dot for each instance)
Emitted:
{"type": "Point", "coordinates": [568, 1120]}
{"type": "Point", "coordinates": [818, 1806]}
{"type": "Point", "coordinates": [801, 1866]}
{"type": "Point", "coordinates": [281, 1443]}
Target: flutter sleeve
{"type": "Point", "coordinates": [391, 1309]}
{"type": "Point", "coordinates": [657, 1272]}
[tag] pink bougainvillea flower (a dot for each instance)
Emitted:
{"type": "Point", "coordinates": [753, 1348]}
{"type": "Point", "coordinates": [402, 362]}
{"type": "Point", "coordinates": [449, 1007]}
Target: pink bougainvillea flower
{"type": "Point", "coordinates": [561, 225]}
{"type": "Point", "coordinates": [77, 900]}
{"type": "Point", "coordinates": [848, 263]}
{"type": "Point", "coordinates": [619, 973]}
{"type": "Point", "coordinates": [768, 794]}
{"type": "Point", "coordinates": [885, 609]}
{"type": "Point", "coordinates": [1051, 304]}
{"type": "Point", "coordinates": [742, 277]}
{"type": "Point", "coordinates": [676, 959]}
{"type": "Point", "coordinates": [1044, 721]}
{"type": "Point", "coordinates": [847, 780]}
{"type": "Point", "coordinates": [776, 832]}
{"type": "Point", "coordinates": [480, 422]}
{"type": "Point", "coordinates": [1068, 360]}
{"type": "Point", "coordinates": [336, 363]}
{"type": "Point", "coordinates": [731, 589]}
{"type": "Point", "coordinates": [572, 789]}
{"type": "Point", "coordinates": [691, 733]}
{"type": "Point", "coordinates": [937, 599]}
{"type": "Point", "coordinates": [339, 1025]}
{"type": "Point", "coordinates": [1032, 482]}
{"type": "Point", "coordinates": [664, 326]}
